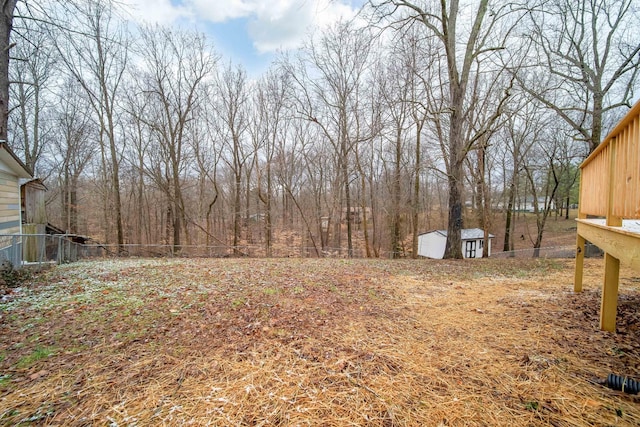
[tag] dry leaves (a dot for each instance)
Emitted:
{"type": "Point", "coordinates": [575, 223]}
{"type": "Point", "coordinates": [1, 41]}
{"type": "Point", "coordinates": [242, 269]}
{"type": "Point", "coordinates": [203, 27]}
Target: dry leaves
{"type": "Point", "coordinates": [315, 342]}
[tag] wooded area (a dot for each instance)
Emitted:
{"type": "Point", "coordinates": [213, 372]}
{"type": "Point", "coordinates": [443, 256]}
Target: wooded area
{"type": "Point", "coordinates": [416, 115]}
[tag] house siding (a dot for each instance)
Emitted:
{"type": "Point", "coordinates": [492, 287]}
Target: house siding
{"type": "Point", "coordinates": [9, 204]}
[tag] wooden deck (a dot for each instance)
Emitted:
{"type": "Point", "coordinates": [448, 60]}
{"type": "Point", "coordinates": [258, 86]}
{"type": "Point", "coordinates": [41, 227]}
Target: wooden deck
{"type": "Point", "coordinates": [609, 209]}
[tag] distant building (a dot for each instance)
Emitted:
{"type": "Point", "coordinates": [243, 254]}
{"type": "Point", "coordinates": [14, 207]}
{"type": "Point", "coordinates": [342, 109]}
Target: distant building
{"type": "Point", "coordinates": [432, 244]}
{"type": "Point", "coordinates": [526, 204]}
{"type": "Point", "coordinates": [357, 214]}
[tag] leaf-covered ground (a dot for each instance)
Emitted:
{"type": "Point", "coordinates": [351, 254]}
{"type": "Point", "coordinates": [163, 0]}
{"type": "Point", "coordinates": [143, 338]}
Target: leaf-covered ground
{"type": "Point", "coordinates": [315, 342]}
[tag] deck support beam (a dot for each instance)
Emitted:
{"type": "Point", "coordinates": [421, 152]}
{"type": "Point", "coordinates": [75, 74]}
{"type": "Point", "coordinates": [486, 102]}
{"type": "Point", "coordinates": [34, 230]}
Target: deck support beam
{"type": "Point", "coordinates": [619, 246]}
{"type": "Point", "coordinates": [609, 304]}
{"type": "Point", "coordinates": [609, 195]}
{"type": "Point", "coordinates": [577, 281]}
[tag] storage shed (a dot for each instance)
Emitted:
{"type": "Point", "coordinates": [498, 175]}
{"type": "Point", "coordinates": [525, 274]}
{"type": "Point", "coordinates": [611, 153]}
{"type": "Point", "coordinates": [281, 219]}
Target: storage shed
{"type": "Point", "coordinates": [32, 196]}
{"type": "Point", "coordinates": [432, 243]}
{"type": "Point", "coordinates": [34, 219]}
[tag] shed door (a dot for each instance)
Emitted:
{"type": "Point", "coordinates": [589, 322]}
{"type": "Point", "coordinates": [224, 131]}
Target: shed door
{"type": "Point", "coordinates": [470, 249]}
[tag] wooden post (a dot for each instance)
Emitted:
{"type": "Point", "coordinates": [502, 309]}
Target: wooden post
{"type": "Point", "coordinates": [609, 304]}
{"type": "Point", "coordinates": [577, 278]}
{"type": "Point", "coordinates": [577, 281]}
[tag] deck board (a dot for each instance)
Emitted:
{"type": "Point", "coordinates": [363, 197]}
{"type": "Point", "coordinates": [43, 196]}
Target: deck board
{"type": "Point", "coordinates": [621, 242]}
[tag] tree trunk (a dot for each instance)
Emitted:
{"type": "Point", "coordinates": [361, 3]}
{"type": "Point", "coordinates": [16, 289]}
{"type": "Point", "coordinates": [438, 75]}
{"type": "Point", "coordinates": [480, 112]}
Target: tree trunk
{"type": "Point", "coordinates": [416, 192]}
{"type": "Point", "coordinates": [458, 80]}
{"type": "Point", "coordinates": [237, 213]}
{"type": "Point", "coordinates": [115, 165]}
{"type": "Point", "coordinates": [396, 233]}
{"type": "Point", "coordinates": [484, 196]}
{"type": "Point", "coordinates": [363, 206]}
{"type": "Point", "coordinates": [73, 204]}
{"type": "Point", "coordinates": [177, 218]}
{"type": "Point", "coordinates": [347, 197]}
{"type": "Point", "coordinates": [508, 223]}
{"type": "Point", "coordinates": [140, 198]}
{"type": "Point", "coordinates": [267, 219]}
{"type": "Point", "coordinates": [453, 248]}
{"type": "Point", "coordinates": [596, 132]}
{"type": "Point", "coordinates": [6, 24]}
{"type": "Point", "coordinates": [374, 223]}
{"type": "Point", "coordinates": [105, 199]}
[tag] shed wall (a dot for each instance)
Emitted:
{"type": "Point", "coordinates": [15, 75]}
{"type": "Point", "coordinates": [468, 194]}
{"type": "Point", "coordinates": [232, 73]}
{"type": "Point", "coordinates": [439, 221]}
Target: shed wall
{"type": "Point", "coordinates": [431, 245]}
{"type": "Point", "coordinates": [34, 206]}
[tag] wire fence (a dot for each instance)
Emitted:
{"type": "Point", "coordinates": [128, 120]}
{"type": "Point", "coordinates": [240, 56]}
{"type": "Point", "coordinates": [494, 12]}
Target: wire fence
{"type": "Point", "coordinates": [41, 249]}
{"type": "Point", "coordinates": [591, 251]}
{"type": "Point", "coordinates": [227, 251]}
{"type": "Point", "coordinates": [23, 250]}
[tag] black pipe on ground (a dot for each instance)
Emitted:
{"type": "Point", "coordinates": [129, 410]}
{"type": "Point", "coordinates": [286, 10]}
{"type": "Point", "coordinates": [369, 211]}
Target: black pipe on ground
{"type": "Point", "coordinates": [625, 384]}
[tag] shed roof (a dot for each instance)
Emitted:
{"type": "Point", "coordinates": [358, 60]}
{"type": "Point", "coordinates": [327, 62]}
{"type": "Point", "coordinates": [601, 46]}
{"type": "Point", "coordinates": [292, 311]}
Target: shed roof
{"type": "Point", "coordinates": [467, 233]}
{"type": "Point", "coordinates": [35, 182]}
{"type": "Point", "coordinates": [13, 162]}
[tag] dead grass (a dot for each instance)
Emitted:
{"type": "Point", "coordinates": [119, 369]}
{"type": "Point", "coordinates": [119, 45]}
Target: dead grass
{"type": "Point", "coordinates": [315, 342]}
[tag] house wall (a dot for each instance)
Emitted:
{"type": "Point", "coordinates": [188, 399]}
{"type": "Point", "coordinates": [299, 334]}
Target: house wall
{"type": "Point", "coordinates": [9, 203]}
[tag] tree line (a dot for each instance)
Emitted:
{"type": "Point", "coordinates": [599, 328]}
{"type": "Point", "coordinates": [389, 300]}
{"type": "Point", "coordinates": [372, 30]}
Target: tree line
{"type": "Point", "coordinates": [415, 115]}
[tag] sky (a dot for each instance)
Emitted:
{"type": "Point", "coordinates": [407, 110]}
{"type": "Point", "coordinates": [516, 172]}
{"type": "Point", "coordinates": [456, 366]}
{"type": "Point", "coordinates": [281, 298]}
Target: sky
{"type": "Point", "coordinates": [248, 32]}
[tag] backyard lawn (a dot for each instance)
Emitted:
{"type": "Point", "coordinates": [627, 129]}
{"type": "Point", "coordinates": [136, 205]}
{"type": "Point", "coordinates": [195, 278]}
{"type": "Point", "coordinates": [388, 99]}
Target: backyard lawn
{"type": "Point", "coordinates": [308, 342]}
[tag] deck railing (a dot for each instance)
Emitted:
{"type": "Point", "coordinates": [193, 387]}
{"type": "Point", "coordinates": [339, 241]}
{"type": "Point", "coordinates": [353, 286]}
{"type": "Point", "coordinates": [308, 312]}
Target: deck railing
{"type": "Point", "coordinates": [610, 189]}
{"type": "Point", "coordinates": [610, 176]}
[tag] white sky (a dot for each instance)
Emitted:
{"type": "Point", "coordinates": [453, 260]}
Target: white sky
{"type": "Point", "coordinates": [247, 31]}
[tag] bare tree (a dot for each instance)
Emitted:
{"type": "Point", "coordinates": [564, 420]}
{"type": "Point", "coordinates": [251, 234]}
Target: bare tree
{"type": "Point", "coordinates": [542, 170]}
{"type": "Point", "coordinates": [420, 60]}
{"type": "Point", "coordinates": [32, 74]}
{"type": "Point", "coordinates": [173, 79]}
{"type": "Point", "coordinates": [417, 54]}
{"type": "Point", "coordinates": [207, 155]}
{"type": "Point", "coordinates": [297, 161]}
{"type": "Point", "coordinates": [519, 134]}
{"type": "Point", "coordinates": [395, 88]}
{"type": "Point", "coordinates": [271, 125]}
{"type": "Point", "coordinates": [93, 50]}
{"type": "Point", "coordinates": [588, 61]}
{"type": "Point", "coordinates": [73, 149]}
{"type": "Point", "coordinates": [487, 34]}
{"type": "Point", "coordinates": [329, 78]}
{"type": "Point", "coordinates": [233, 99]}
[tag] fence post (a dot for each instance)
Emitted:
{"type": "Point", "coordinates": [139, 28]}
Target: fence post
{"type": "Point", "coordinates": [60, 256]}
{"type": "Point", "coordinates": [16, 260]}
{"type": "Point", "coordinates": [42, 249]}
